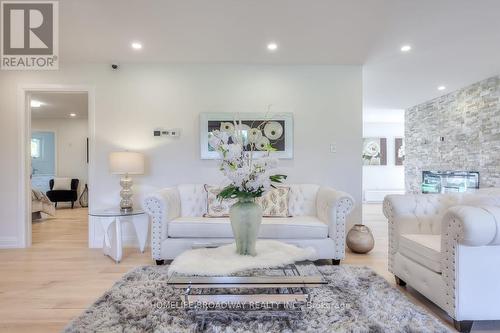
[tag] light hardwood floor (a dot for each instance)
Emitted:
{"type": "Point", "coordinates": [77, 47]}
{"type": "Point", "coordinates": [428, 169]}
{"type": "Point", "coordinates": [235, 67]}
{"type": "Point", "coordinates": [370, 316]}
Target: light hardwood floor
{"type": "Point", "coordinates": [42, 288]}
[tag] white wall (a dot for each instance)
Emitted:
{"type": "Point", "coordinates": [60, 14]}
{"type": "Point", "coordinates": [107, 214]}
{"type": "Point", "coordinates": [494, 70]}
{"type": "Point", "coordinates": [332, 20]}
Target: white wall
{"type": "Point", "coordinates": [130, 103]}
{"type": "Point", "coordinates": [71, 146]}
{"type": "Point", "coordinates": [389, 177]}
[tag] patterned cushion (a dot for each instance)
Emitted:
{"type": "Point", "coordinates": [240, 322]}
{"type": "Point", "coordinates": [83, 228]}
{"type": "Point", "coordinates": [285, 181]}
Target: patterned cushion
{"type": "Point", "coordinates": [275, 202]}
{"type": "Point", "coordinates": [216, 207]}
{"type": "Point", "coordinates": [193, 199]}
{"type": "Point", "coordinates": [302, 199]}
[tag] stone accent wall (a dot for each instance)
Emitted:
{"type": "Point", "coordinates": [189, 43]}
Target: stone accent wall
{"type": "Point", "coordinates": [458, 131]}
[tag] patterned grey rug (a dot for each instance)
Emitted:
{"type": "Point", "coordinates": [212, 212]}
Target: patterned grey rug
{"type": "Point", "coordinates": [355, 299]}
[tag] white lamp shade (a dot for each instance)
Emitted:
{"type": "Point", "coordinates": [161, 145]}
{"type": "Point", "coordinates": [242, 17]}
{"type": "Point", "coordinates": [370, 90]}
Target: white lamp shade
{"type": "Point", "coordinates": [126, 162]}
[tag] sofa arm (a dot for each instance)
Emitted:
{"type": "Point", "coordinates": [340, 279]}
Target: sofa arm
{"type": "Point", "coordinates": [464, 226]}
{"type": "Point", "coordinates": [472, 226]}
{"type": "Point", "coordinates": [407, 213]}
{"type": "Point", "coordinates": [333, 207]}
{"type": "Point", "coordinates": [162, 206]}
{"type": "Point", "coordinates": [400, 211]}
{"type": "Point", "coordinates": [415, 214]}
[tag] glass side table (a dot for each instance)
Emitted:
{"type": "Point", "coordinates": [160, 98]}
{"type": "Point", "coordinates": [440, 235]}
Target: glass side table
{"type": "Point", "coordinates": [111, 222]}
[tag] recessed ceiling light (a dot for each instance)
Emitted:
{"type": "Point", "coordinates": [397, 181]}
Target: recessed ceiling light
{"type": "Point", "coordinates": [441, 88]}
{"type": "Point", "coordinates": [272, 46]}
{"type": "Point", "coordinates": [405, 48]}
{"type": "Point", "coordinates": [136, 45]}
{"type": "Point", "coordinates": [35, 104]}
{"type": "Point", "coordinates": [72, 114]}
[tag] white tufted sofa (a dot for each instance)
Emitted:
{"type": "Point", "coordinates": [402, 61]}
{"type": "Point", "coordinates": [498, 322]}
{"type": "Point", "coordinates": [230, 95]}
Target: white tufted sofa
{"type": "Point", "coordinates": [318, 220]}
{"type": "Point", "coordinates": [447, 246]}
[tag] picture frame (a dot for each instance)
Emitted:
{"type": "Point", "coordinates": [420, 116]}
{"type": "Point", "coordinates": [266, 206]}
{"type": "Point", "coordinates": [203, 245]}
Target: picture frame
{"type": "Point", "coordinates": [374, 151]}
{"type": "Point", "coordinates": [399, 151]}
{"type": "Point", "coordinates": [283, 121]}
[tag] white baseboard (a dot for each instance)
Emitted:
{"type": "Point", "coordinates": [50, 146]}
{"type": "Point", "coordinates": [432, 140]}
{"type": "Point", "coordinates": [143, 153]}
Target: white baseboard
{"type": "Point", "coordinates": [377, 196]}
{"type": "Point", "coordinates": [8, 243]}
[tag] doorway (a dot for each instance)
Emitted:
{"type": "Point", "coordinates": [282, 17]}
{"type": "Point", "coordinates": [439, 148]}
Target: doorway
{"type": "Point", "coordinates": [43, 159]}
{"type": "Point", "coordinates": [57, 131]}
{"type": "Point", "coordinates": [59, 165]}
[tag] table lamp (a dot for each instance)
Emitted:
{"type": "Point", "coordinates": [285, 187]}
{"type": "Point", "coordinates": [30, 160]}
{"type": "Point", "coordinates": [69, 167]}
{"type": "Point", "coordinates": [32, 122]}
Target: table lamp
{"type": "Point", "coordinates": [126, 163]}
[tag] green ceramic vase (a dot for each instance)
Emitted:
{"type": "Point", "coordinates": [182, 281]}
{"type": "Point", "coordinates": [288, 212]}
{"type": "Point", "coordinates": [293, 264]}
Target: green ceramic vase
{"type": "Point", "coordinates": [246, 217]}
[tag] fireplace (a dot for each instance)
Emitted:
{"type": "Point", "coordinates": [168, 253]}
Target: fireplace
{"type": "Point", "coordinates": [449, 181]}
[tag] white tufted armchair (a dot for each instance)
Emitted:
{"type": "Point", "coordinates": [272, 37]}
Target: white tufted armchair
{"type": "Point", "coordinates": [318, 216]}
{"type": "Point", "coordinates": [447, 246]}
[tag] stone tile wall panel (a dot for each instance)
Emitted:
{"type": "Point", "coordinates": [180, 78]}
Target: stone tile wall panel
{"type": "Point", "coordinates": [469, 122]}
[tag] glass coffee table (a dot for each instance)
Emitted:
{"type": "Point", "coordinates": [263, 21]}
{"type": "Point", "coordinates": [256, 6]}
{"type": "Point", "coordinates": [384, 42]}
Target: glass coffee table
{"type": "Point", "coordinates": [276, 292]}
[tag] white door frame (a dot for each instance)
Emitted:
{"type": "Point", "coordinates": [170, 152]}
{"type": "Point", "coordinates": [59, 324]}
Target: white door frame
{"type": "Point", "coordinates": [24, 200]}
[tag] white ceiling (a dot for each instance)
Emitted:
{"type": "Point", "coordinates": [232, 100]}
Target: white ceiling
{"type": "Point", "coordinates": [455, 42]}
{"type": "Point", "coordinates": [60, 105]}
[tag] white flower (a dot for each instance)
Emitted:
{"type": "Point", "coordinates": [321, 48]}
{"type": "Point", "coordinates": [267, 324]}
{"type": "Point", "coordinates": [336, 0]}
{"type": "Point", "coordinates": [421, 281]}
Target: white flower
{"type": "Point", "coordinates": [401, 151]}
{"type": "Point", "coordinates": [244, 172]}
{"type": "Point", "coordinates": [273, 130]}
{"type": "Point", "coordinates": [254, 135]}
{"type": "Point", "coordinates": [214, 141]}
{"type": "Point", "coordinates": [217, 138]}
{"type": "Point", "coordinates": [253, 185]}
{"type": "Point", "coordinates": [240, 134]}
{"type": "Point", "coordinates": [266, 184]}
{"type": "Point", "coordinates": [262, 143]}
{"type": "Point", "coordinates": [242, 127]}
{"type": "Point", "coordinates": [227, 127]}
{"type": "Point", "coordinates": [233, 151]}
{"type": "Point", "coordinates": [224, 137]}
{"type": "Point", "coordinates": [372, 149]}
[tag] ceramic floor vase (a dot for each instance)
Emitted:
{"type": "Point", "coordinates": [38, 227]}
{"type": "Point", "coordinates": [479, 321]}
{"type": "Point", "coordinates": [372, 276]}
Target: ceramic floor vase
{"type": "Point", "coordinates": [246, 217]}
{"type": "Point", "coordinates": [360, 239]}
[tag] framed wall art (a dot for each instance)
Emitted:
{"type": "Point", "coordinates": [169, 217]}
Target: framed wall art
{"type": "Point", "coordinates": [374, 151]}
{"type": "Point", "coordinates": [399, 151]}
{"type": "Point", "coordinates": [273, 129]}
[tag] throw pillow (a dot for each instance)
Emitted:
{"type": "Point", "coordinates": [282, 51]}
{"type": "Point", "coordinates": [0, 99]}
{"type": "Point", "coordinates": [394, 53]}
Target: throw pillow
{"type": "Point", "coordinates": [216, 207]}
{"type": "Point", "coordinates": [275, 202]}
{"type": "Point", "coordinates": [62, 184]}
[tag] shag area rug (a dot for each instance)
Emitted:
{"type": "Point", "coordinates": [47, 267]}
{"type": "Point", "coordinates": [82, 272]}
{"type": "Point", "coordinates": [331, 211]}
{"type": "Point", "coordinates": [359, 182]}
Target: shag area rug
{"type": "Point", "coordinates": [224, 260]}
{"type": "Point", "coordinates": [355, 299]}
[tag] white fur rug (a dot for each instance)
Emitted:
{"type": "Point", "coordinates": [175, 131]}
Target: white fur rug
{"type": "Point", "coordinates": [224, 260]}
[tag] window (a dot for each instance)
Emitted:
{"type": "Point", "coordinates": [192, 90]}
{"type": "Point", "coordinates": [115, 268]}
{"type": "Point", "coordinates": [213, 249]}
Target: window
{"type": "Point", "coordinates": [36, 148]}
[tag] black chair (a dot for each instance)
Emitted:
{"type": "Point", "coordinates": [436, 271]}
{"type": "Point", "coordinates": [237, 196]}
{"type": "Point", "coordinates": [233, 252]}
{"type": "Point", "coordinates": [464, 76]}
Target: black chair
{"type": "Point", "coordinates": [64, 195]}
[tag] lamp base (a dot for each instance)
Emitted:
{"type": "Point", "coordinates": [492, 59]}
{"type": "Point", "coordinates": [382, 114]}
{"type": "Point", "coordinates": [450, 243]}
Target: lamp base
{"type": "Point", "coordinates": [126, 194]}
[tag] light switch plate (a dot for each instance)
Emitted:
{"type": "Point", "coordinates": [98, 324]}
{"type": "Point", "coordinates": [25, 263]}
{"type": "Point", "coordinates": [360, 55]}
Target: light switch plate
{"type": "Point", "coordinates": [173, 132]}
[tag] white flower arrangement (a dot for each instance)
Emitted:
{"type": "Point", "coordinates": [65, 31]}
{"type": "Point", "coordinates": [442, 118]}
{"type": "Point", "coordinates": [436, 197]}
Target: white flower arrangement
{"type": "Point", "coordinates": [250, 177]}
